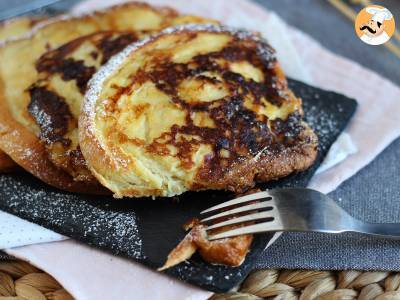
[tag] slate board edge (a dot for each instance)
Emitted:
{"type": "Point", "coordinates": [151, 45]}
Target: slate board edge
{"type": "Point", "coordinates": [210, 287]}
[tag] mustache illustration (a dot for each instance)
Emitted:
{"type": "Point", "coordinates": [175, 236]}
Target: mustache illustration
{"type": "Point", "coordinates": [368, 28]}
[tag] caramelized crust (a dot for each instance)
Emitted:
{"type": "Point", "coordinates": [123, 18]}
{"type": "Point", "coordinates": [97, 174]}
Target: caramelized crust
{"type": "Point", "coordinates": [27, 151]}
{"type": "Point", "coordinates": [56, 108]}
{"type": "Point", "coordinates": [194, 108]}
{"type": "Point", "coordinates": [19, 75]}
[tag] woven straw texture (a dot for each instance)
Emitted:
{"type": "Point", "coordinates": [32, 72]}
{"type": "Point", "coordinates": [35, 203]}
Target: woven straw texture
{"type": "Point", "coordinates": [21, 281]}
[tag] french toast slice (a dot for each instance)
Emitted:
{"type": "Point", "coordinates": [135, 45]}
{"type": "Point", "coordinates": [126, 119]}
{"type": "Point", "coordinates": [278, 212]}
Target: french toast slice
{"type": "Point", "coordinates": [196, 107]}
{"type": "Point", "coordinates": [63, 74]}
{"type": "Point", "coordinates": [10, 30]}
{"type": "Point", "coordinates": [18, 27]}
{"type": "Point", "coordinates": [19, 130]}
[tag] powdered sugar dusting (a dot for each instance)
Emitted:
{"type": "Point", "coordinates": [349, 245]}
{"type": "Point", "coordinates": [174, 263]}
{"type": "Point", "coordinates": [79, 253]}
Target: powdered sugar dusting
{"type": "Point", "coordinates": [323, 121]}
{"type": "Point", "coordinates": [69, 215]}
{"type": "Point", "coordinates": [96, 82]}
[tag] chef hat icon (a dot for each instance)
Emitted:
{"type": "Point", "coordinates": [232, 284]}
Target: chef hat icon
{"type": "Point", "coordinates": [379, 14]}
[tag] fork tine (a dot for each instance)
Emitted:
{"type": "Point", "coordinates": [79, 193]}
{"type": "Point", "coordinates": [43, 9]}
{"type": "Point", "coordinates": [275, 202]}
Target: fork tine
{"type": "Point", "coordinates": [249, 207]}
{"type": "Point", "coordinates": [254, 228]}
{"type": "Point", "coordinates": [239, 200]}
{"type": "Point", "coordinates": [250, 217]}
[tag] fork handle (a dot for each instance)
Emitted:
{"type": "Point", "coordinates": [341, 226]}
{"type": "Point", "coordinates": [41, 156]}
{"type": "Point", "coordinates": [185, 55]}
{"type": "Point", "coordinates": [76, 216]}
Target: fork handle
{"type": "Point", "coordinates": [386, 230]}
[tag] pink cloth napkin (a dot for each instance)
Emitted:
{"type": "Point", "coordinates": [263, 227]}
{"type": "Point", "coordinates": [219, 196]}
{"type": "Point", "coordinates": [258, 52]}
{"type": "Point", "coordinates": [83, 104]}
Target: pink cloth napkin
{"type": "Point", "coordinates": [88, 273]}
{"type": "Point", "coordinates": [91, 274]}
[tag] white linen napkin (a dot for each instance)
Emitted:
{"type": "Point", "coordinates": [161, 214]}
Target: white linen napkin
{"type": "Point", "coordinates": [15, 232]}
{"type": "Point", "coordinates": [330, 72]}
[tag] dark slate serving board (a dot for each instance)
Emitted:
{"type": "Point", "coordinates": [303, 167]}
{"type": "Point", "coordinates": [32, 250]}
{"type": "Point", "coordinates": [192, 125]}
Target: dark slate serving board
{"type": "Point", "coordinates": [146, 230]}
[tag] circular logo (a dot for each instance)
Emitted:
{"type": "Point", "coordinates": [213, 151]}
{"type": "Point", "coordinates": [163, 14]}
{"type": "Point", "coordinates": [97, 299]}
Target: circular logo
{"type": "Point", "coordinates": [375, 25]}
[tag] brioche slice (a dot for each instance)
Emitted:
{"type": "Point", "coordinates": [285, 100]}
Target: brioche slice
{"type": "Point", "coordinates": [196, 107]}
{"type": "Point", "coordinates": [18, 74]}
{"type": "Point", "coordinates": [58, 92]}
{"type": "Point", "coordinates": [10, 30]}
{"type": "Point", "coordinates": [18, 27]}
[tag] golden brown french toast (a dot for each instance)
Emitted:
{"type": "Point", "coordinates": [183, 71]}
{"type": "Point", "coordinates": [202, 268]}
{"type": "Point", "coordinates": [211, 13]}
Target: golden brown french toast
{"type": "Point", "coordinates": [56, 96]}
{"type": "Point", "coordinates": [18, 27]}
{"type": "Point", "coordinates": [14, 29]}
{"type": "Point", "coordinates": [196, 107]}
{"type": "Point", "coordinates": [19, 130]}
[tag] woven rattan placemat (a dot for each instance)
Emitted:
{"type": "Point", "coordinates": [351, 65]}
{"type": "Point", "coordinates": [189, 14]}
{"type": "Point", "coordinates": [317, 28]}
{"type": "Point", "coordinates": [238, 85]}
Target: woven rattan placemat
{"type": "Point", "coordinates": [22, 281]}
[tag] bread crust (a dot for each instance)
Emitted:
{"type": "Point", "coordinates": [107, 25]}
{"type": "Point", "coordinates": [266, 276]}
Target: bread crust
{"type": "Point", "coordinates": [18, 27]}
{"type": "Point", "coordinates": [6, 163]}
{"type": "Point", "coordinates": [11, 30]}
{"type": "Point", "coordinates": [241, 176]}
{"type": "Point", "coordinates": [26, 150]}
{"type": "Point", "coordinates": [20, 143]}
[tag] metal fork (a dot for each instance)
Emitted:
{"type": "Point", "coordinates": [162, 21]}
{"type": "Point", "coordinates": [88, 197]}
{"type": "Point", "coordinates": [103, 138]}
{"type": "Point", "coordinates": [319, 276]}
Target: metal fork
{"type": "Point", "coordinates": [289, 209]}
